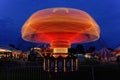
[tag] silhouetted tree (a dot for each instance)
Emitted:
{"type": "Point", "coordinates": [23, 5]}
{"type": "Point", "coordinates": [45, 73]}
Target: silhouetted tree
{"type": "Point", "coordinates": [80, 49]}
{"type": "Point", "coordinates": [110, 49]}
{"type": "Point", "coordinates": [12, 45]}
{"type": "Point", "coordinates": [91, 49]}
{"type": "Point", "coordinates": [71, 51]}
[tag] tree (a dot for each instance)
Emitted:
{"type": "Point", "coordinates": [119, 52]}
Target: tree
{"type": "Point", "coordinates": [91, 49]}
{"type": "Point", "coordinates": [80, 49]}
{"type": "Point", "coordinates": [71, 51]}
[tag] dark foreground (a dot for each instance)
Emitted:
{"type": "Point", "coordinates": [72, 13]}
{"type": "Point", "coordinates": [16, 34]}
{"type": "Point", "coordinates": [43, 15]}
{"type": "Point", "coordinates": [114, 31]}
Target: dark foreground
{"type": "Point", "coordinates": [15, 71]}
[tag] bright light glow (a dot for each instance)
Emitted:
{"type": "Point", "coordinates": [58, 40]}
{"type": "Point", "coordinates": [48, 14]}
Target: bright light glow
{"type": "Point", "coordinates": [87, 55]}
{"type": "Point", "coordinates": [5, 50]}
{"type": "Point", "coordinates": [2, 50]}
{"type": "Point", "coordinates": [60, 50]}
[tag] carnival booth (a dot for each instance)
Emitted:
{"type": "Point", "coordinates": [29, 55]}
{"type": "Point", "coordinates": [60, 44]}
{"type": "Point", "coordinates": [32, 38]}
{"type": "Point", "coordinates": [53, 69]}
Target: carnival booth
{"type": "Point", "coordinates": [4, 53]}
{"type": "Point", "coordinates": [117, 54]}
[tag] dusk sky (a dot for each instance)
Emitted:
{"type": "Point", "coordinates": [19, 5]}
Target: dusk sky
{"type": "Point", "coordinates": [14, 13]}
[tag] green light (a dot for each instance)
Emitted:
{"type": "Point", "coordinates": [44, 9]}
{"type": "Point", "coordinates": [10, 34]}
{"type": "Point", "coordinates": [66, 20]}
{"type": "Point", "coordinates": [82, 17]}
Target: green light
{"type": "Point", "coordinates": [9, 51]}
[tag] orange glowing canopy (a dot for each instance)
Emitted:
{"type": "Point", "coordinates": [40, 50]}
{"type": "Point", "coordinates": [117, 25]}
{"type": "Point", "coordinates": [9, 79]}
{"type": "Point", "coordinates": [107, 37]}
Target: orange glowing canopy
{"type": "Point", "coordinates": [60, 27]}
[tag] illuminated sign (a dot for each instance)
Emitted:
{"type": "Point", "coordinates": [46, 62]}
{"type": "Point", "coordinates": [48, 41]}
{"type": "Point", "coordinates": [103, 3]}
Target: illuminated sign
{"type": "Point", "coordinates": [60, 50]}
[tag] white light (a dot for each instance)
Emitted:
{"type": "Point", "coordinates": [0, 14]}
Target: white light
{"type": "Point", "coordinates": [87, 56]}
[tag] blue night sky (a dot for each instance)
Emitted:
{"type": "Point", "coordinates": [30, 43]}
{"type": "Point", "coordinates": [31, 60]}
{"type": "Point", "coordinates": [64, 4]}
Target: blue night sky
{"type": "Point", "coordinates": [14, 13]}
